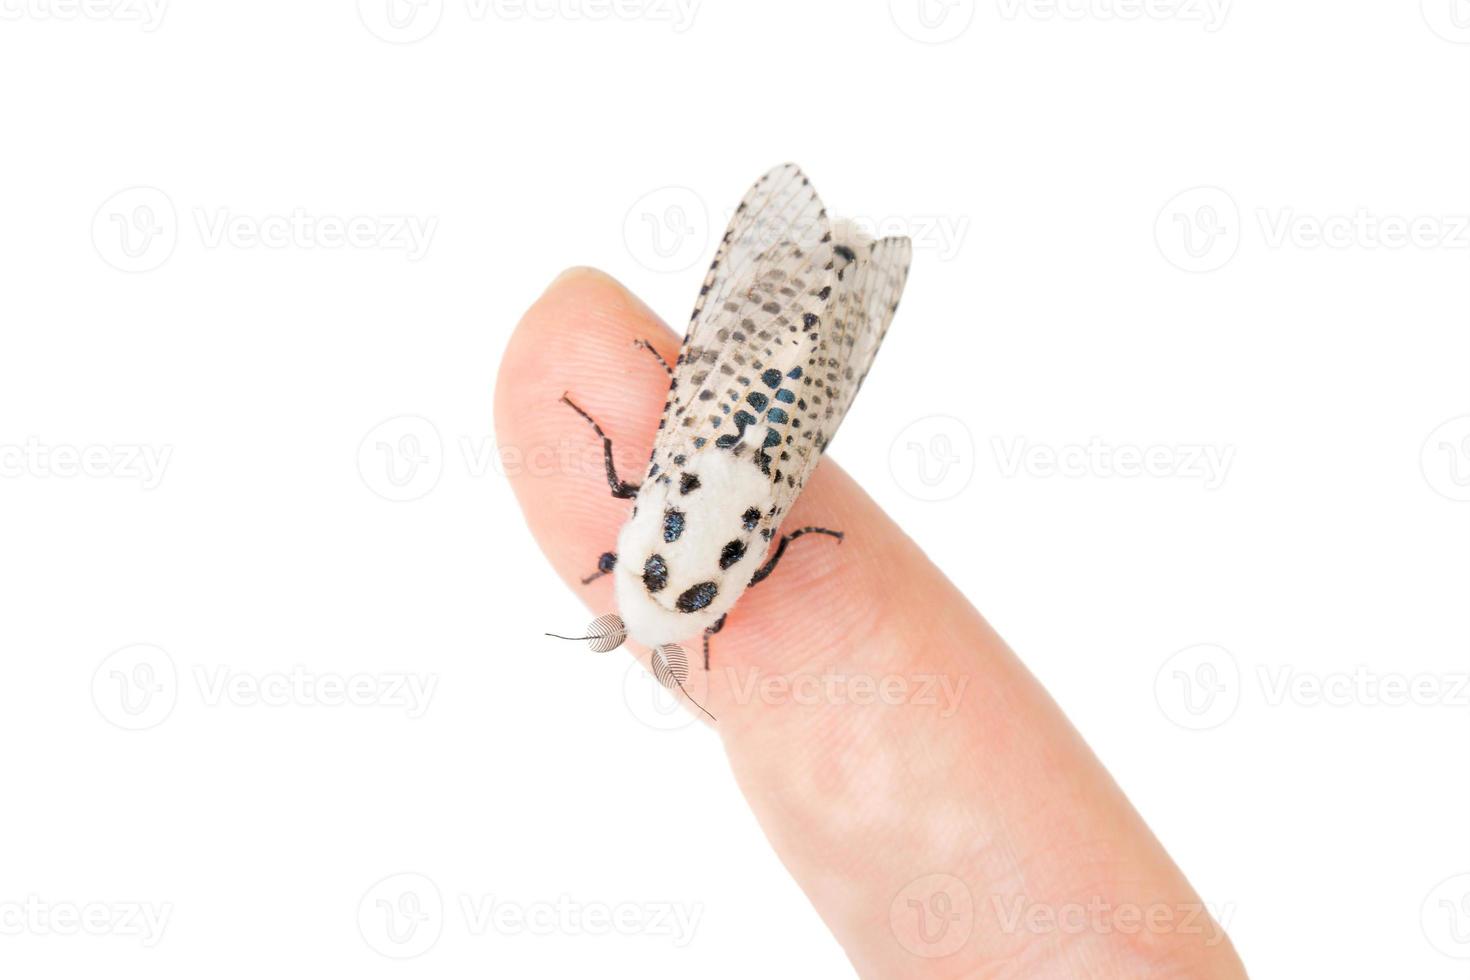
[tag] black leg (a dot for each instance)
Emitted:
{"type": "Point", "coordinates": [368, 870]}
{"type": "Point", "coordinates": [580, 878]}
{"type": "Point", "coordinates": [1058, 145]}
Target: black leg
{"type": "Point", "coordinates": [711, 631]}
{"type": "Point", "coordinates": [605, 564]}
{"type": "Point", "coordinates": [762, 573]}
{"type": "Point", "coordinates": [621, 490]}
{"type": "Point", "coordinates": [656, 356]}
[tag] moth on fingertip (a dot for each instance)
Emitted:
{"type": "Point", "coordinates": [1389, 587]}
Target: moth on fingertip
{"type": "Point", "coordinates": [785, 328]}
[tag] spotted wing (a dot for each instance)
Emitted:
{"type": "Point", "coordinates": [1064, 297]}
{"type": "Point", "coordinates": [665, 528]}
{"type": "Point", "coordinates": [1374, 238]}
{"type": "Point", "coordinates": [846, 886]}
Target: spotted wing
{"type": "Point", "coordinates": [783, 333]}
{"type": "Point", "coordinates": [871, 277]}
{"type": "Point", "coordinates": [755, 328]}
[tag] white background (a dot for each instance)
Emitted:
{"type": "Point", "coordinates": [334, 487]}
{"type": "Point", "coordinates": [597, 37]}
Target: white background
{"type": "Point", "coordinates": [1182, 228]}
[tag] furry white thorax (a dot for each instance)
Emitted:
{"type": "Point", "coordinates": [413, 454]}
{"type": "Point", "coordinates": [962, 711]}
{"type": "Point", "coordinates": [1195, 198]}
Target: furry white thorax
{"type": "Point", "coordinates": [729, 485]}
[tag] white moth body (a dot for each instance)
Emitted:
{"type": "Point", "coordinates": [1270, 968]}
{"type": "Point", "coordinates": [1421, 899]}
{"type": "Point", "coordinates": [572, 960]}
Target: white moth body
{"type": "Point", "coordinates": [718, 546]}
{"type": "Point", "coordinates": [786, 326]}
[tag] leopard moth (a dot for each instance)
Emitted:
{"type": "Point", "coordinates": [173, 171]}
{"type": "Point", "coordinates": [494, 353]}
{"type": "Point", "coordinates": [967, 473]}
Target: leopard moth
{"type": "Point", "coordinates": [788, 320]}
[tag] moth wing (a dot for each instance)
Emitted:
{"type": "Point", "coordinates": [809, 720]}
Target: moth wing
{"type": "Point", "coordinates": [867, 297]}
{"type": "Point", "coordinates": [758, 318]}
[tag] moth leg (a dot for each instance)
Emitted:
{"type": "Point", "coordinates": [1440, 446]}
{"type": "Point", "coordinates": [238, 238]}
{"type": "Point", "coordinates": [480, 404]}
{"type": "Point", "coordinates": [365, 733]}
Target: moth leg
{"type": "Point", "coordinates": [656, 356]}
{"type": "Point", "coordinates": [606, 563]}
{"type": "Point", "coordinates": [762, 573]}
{"type": "Point", "coordinates": [709, 632]}
{"type": "Point", "coordinates": [620, 489]}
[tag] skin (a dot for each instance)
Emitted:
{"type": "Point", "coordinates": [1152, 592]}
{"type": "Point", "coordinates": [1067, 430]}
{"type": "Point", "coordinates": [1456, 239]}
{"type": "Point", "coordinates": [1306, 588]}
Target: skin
{"type": "Point", "coordinates": [977, 806]}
